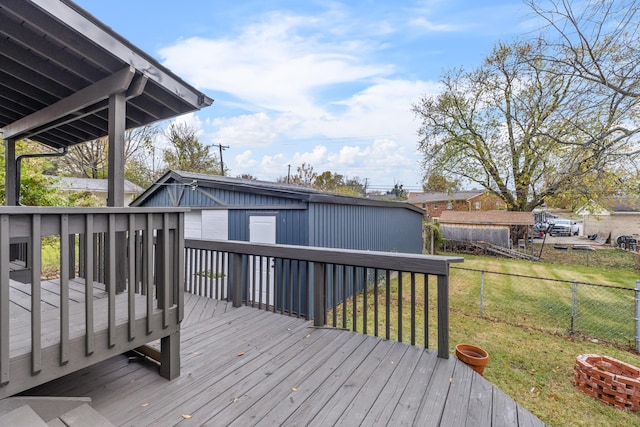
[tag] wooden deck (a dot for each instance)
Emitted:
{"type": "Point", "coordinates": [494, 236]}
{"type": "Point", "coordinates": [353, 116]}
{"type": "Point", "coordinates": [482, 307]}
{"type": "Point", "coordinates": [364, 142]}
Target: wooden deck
{"type": "Point", "coordinates": [243, 366]}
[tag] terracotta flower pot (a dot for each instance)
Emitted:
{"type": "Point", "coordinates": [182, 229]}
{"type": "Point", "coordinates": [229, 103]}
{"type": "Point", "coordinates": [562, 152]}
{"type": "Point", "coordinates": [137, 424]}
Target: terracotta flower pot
{"type": "Point", "coordinates": [473, 356]}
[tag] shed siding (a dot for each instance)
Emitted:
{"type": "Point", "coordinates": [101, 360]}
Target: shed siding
{"type": "Point", "coordinates": [365, 228]}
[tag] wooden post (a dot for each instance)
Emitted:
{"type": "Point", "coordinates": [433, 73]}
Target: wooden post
{"type": "Point", "coordinates": [236, 280]}
{"type": "Point", "coordinates": [319, 304]}
{"type": "Point", "coordinates": [170, 356]}
{"type": "Point", "coordinates": [443, 316]}
{"type": "Point", "coordinates": [115, 195]}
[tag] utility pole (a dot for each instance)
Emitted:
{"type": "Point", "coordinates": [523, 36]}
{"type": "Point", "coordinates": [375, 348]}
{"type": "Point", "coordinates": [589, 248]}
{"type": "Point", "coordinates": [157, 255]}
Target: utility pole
{"type": "Point", "coordinates": [221, 147]}
{"type": "Point", "coordinates": [288, 173]}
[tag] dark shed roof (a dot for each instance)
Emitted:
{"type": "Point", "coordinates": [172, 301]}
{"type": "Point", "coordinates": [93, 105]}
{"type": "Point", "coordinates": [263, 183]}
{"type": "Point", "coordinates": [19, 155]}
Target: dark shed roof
{"type": "Point", "coordinates": [58, 67]}
{"type": "Point", "coordinates": [303, 194]}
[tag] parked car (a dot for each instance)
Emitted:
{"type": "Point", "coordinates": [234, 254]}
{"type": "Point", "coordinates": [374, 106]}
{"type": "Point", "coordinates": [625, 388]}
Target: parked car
{"type": "Point", "coordinates": [564, 227]}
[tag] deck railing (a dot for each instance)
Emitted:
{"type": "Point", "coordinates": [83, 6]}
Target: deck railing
{"type": "Point", "coordinates": [379, 293]}
{"type": "Point", "coordinates": [44, 331]}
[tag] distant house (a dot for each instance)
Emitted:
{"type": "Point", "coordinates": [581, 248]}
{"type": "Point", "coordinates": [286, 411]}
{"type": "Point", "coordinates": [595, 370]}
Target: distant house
{"type": "Point", "coordinates": [435, 203]}
{"type": "Point", "coordinates": [97, 187]}
{"type": "Point", "coordinates": [500, 228]}
{"type": "Point", "coordinates": [609, 219]}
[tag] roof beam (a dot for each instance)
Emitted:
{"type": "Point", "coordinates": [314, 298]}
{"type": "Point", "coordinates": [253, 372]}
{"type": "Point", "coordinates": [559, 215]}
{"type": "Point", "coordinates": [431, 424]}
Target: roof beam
{"type": "Point", "coordinates": [115, 83]}
{"type": "Point", "coordinates": [71, 17]}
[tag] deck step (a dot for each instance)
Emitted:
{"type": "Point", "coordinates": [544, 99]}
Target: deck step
{"type": "Point", "coordinates": [50, 411]}
{"type": "Point", "coordinates": [23, 416]}
{"type": "Point", "coordinates": [84, 415]}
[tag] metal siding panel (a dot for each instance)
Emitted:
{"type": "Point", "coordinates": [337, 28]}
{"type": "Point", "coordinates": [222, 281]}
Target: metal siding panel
{"type": "Point", "coordinates": [366, 228]}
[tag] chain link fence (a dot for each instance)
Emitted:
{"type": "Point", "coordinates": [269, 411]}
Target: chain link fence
{"type": "Point", "coordinates": [568, 308]}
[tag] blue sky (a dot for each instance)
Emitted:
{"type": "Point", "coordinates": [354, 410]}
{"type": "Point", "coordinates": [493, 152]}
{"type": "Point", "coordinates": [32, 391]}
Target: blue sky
{"type": "Point", "coordinates": [328, 83]}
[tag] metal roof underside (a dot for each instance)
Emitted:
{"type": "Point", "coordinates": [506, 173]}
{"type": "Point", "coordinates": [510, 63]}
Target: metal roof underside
{"type": "Point", "coordinates": [58, 67]}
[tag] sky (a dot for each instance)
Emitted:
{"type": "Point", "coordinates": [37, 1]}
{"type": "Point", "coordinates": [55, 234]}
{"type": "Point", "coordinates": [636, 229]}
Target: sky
{"type": "Point", "coordinates": [327, 83]}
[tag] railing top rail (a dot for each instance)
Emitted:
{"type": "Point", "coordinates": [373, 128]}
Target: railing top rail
{"type": "Point", "coordinates": [47, 210]}
{"type": "Point", "coordinates": [430, 264]}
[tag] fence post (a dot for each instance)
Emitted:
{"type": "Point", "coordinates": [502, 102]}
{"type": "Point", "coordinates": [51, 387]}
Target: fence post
{"type": "Point", "coordinates": [637, 318]}
{"type": "Point", "coordinates": [574, 300]}
{"type": "Point", "coordinates": [481, 293]}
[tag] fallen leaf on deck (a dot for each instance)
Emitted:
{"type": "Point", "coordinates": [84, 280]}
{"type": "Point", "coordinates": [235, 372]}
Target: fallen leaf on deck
{"type": "Point", "coordinates": [144, 405]}
{"type": "Point", "coordinates": [186, 416]}
{"type": "Point", "coordinates": [241, 353]}
{"type": "Point", "coordinates": [294, 389]}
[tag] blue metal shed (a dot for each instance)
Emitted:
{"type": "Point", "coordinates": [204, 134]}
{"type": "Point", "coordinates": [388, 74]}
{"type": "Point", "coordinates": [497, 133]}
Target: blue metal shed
{"type": "Point", "coordinates": [224, 208]}
{"type": "Point", "coordinates": [268, 212]}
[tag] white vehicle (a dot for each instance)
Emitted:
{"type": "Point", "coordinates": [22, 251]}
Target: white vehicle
{"type": "Point", "coordinates": [564, 227]}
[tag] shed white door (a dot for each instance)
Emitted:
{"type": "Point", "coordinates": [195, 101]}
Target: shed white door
{"type": "Point", "coordinates": [262, 229]}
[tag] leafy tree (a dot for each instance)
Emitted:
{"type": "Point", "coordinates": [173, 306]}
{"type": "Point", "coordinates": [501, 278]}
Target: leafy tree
{"type": "Point", "coordinates": [518, 127]}
{"type": "Point", "coordinates": [36, 187]}
{"type": "Point", "coordinates": [595, 41]}
{"type": "Point", "coordinates": [187, 153]}
{"type": "Point", "coordinates": [398, 192]}
{"type": "Point", "coordinates": [90, 159]}
{"type": "Point", "coordinates": [439, 183]}
{"type": "Point", "coordinates": [304, 176]}
{"type": "Point", "coordinates": [337, 183]}
{"type": "Point", "coordinates": [247, 176]}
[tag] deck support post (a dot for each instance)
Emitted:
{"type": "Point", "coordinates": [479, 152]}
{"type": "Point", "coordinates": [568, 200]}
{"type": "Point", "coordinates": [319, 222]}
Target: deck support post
{"type": "Point", "coordinates": [319, 305]}
{"type": "Point", "coordinates": [236, 280]}
{"type": "Point", "coordinates": [443, 316]}
{"type": "Point", "coordinates": [170, 356]}
{"type": "Point", "coordinates": [115, 197]}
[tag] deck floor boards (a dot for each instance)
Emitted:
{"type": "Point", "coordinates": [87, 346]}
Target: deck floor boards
{"type": "Point", "coordinates": [245, 366]}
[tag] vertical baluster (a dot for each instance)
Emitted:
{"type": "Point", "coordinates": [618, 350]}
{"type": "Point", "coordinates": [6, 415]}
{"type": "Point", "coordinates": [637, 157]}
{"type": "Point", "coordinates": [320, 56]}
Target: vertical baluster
{"type": "Point", "coordinates": [178, 266]}
{"type": "Point", "coordinates": [388, 305]}
{"type": "Point", "coordinates": [364, 299]}
{"type": "Point", "coordinates": [292, 275]}
{"type": "Point", "coordinates": [413, 308]}
{"type": "Point", "coordinates": [4, 298]}
{"type": "Point", "coordinates": [64, 289]}
{"type": "Point", "coordinates": [399, 306]}
{"type": "Point", "coordinates": [426, 311]}
{"type": "Point", "coordinates": [167, 271]}
{"type": "Point", "coordinates": [131, 249]}
{"type": "Point", "coordinates": [89, 256]}
{"type": "Point", "coordinates": [112, 278]}
{"type": "Point", "coordinates": [334, 297]}
{"type": "Point", "coordinates": [299, 288]}
{"type": "Point", "coordinates": [148, 269]}
{"type": "Point", "coordinates": [375, 302]}
{"type": "Point", "coordinates": [36, 321]}
{"type": "Point", "coordinates": [214, 276]}
{"type": "Point", "coordinates": [354, 299]}
{"type": "Point", "coordinates": [344, 296]}
{"type": "Point", "coordinates": [264, 263]}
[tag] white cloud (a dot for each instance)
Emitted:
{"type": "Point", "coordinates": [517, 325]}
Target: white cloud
{"type": "Point", "coordinates": [314, 95]}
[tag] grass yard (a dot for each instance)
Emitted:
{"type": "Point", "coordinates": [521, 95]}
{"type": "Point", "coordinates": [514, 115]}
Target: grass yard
{"type": "Point", "coordinates": [533, 364]}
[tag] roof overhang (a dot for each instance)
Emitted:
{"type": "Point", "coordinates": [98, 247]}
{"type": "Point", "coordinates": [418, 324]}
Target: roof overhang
{"type": "Point", "coordinates": [58, 67]}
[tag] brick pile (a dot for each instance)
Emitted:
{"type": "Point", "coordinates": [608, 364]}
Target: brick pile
{"type": "Point", "coordinates": [613, 382]}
